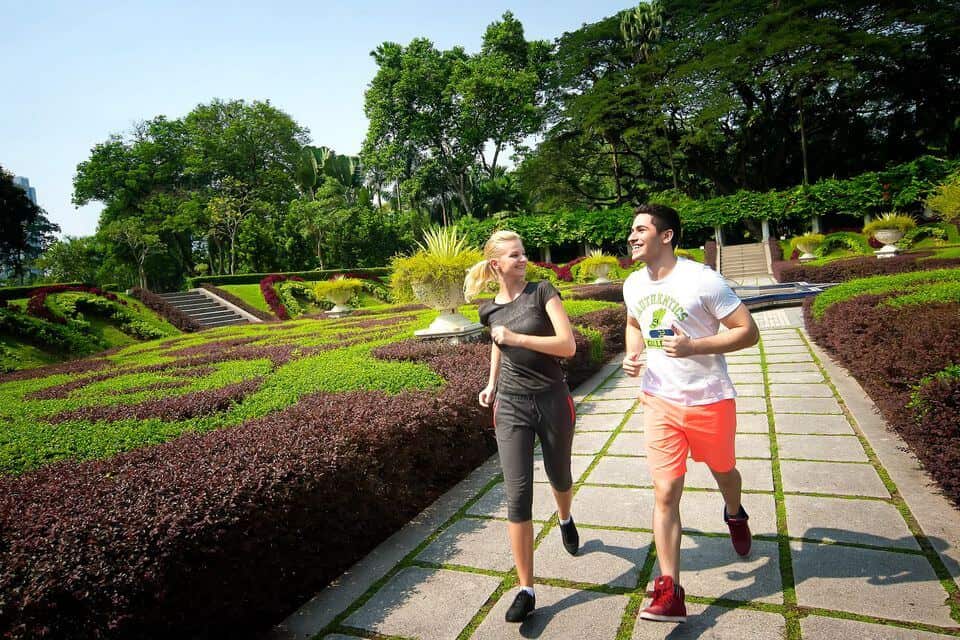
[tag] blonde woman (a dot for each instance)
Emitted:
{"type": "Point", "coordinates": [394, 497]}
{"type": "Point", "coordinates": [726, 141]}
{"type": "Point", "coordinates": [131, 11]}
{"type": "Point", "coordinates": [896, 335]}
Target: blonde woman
{"type": "Point", "coordinates": [531, 332]}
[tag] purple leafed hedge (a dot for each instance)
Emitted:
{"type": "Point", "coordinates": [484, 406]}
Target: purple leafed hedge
{"type": "Point", "coordinates": [864, 267]}
{"type": "Point", "coordinates": [219, 534]}
{"type": "Point", "coordinates": [239, 302]}
{"type": "Point", "coordinates": [166, 310]}
{"type": "Point", "coordinates": [889, 351]}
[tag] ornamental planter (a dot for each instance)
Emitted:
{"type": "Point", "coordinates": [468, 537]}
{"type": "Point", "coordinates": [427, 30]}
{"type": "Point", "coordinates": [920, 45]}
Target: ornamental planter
{"type": "Point", "coordinates": [807, 251]}
{"type": "Point", "coordinates": [445, 297]}
{"type": "Point", "coordinates": [340, 306]}
{"type": "Point", "coordinates": [889, 238]}
{"type": "Point", "coordinates": [601, 271]}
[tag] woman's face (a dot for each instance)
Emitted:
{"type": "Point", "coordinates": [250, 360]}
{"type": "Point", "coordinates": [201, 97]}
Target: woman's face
{"type": "Point", "coordinates": [512, 262]}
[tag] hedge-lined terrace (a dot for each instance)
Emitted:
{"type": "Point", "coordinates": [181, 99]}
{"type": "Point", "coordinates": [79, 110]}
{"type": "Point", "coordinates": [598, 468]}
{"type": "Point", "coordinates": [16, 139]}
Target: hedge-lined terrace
{"type": "Point", "coordinates": [899, 335]}
{"type": "Point", "coordinates": [342, 430]}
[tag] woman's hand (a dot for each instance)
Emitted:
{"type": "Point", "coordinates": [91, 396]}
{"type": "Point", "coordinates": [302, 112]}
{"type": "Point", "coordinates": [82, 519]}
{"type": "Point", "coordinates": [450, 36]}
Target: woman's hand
{"type": "Point", "coordinates": [486, 396]}
{"type": "Point", "coordinates": [504, 337]}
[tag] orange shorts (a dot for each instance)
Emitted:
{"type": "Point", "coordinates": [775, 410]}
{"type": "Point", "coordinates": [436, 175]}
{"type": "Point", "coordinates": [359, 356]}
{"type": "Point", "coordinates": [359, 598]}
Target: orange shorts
{"type": "Point", "coordinates": [672, 430]}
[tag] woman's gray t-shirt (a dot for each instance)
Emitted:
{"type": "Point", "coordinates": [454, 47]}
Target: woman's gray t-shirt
{"type": "Point", "coordinates": [524, 371]}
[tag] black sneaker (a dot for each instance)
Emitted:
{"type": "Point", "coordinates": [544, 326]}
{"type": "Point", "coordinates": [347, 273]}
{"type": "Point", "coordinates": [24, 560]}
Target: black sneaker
{"type": "Point", "coordinates": [522, 605]}
{"type": "Point", "coordinates": [571, 539]}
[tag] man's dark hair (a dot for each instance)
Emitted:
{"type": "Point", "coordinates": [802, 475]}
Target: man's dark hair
{"type": "Point", "coordinates": [663, 218]}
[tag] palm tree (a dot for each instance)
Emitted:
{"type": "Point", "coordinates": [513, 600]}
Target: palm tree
{"type": "Point", "coordinates": [641, 28]}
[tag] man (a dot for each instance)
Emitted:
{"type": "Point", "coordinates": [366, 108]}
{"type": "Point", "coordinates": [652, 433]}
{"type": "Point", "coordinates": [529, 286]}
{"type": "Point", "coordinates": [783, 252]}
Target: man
{"type": "Point", "coordinates": [674, 309]}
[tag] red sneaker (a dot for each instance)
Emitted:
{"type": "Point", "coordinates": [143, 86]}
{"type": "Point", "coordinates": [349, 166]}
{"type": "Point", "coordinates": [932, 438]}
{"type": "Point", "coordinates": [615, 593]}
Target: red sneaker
{"type": "Point", "coordinates": [739, 530]}
{"type": "Point", "coordinates": [667, 605]}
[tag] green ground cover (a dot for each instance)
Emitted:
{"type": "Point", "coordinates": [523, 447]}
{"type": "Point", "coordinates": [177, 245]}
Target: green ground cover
{"type": "Point", "coordinates": [123, 405]}
{"type": "Point", "coordinates": [916, 287]}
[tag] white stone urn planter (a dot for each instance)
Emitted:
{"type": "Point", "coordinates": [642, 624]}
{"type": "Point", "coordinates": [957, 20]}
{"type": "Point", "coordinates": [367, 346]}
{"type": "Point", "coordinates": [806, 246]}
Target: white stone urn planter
{"type": "Point", "coordinates": [889, 238]}
{"type": "Point", "coordinates": [601, 271]}
{"type": "Point", "coordinates": [445, 297]}
{"type": "Point", "coordinates": [807, 251]}
{"type": "Point", "coordinates": [339, 300]}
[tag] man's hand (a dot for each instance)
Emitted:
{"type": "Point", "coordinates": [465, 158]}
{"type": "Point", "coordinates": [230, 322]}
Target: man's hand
{"type": "Point", "coordinates": [679, 345]}
{"type": "Point", "coordinates": [503, 336]}
{"type": "Point", "coordinates": [632, 365]}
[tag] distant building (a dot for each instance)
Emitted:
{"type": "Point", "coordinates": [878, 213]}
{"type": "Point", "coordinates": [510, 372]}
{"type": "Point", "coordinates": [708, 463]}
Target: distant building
{"type": "Point", "coordinates": [24, 183]}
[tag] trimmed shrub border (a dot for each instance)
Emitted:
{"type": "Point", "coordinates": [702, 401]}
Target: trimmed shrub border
{"type": "Point", "coordinates": [254, 278]}
{"type": "Point", "coordinates": [166, 310]}
{"type": "Point", "coordinates": [236, 301]}
{"type": "Point", "coordinates": [866, 266]}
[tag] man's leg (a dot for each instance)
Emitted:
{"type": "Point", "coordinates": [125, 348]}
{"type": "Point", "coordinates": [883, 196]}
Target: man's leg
{"type": "Point", "coordinates": [666, 524]}
{"type": "Point", "coordinates": [730, 485]}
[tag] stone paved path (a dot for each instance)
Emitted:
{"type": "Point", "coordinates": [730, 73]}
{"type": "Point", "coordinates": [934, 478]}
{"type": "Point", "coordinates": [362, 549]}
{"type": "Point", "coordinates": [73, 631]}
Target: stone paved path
{"type": "Point", "coordinates": [838, 552]}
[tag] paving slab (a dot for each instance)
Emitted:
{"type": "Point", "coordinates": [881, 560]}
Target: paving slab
{"type": "Point", "coordinates": [408, 604]}
{"type": "Point", "coordinates": [614, 506]}
{"type": "Point", "coordinates": [623, 381]}
{"type": "Point", "coordinates": [703, 511]}
{"type": "Point", "coordinates": [885, 584]}
{"type": "Point", "coordinates": [473, 542]}
{"type": "Point", "coordinates": [752, 423]}
{"type": "Point", "coordinates": [794, 377]}
{"type": "Point", "coordinates": [822, 628]}
{"type": "Point", "coordinates": [589, 441]}
{"type": "Point", "coordinates": [629, 443]}
{"type": "Point", "coordinates": [841, 478]}
{"type": "Point", "coordinates": [634, 422]}
{"type": "Point", "coordinates": [733, 367]}
{"type": "Point", "coordinates": [791, 358]}
{"type": "Point", "coordinates": [494, 503]}
{"type": "Point", "coordinates": [615, 393]}
{"type": "Point", "coordinates": [805, 405]}
{"type": "Point", "coordinates": [715, 623]}
{"type": "Point", "coordinates": [710, 568]}
{"type": "Point", "coordinates": [606, 557]}
{"type": "Point", "coordinates": [830, 448]}
{"type": "Point", "coordinates": [798, 390]}
{"type": "Point", "coordinates": [751, 405]}
{"type": "Point", "coordinates": [785, 347]}
{"type": "Point", "coordinates": [872, 522]}
{"type": "Point", "coordinates": [751, 390]}
{"type": "Point", "coordinates": [615, 470]}
{"type": "Point", "coordinates": [756, 475]}
{"type": "Point", "coordinates": [565, 614]}
{"type": "Point", "coordinates": [604, 406]}
{"type": "Point", "coordinates": [752, 445]}
{"type": "Point", "coordinates": [598, 421]}
{"type": "Point", "coordinates": [792, 367]}
{"type": "Point", "coordinates": [737, 359]}
{"type": "Point", "coordinates": [812, 424]}
{"type": "Point", "coordinates": [578, 464]}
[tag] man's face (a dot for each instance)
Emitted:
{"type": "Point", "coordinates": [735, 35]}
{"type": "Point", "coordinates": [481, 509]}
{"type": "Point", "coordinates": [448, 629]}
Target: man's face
{"type": "Point", "coordinates": [645, 242]}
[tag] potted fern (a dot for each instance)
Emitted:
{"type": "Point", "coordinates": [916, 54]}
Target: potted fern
{"type": "Point", "coordinates": [889, 229]}
{"type": "Point", "coordinates": [339, 290]}
{"type": "Point", "coordinates": [807, 245]}
{"type": "Point", "coordinates": [433, 276]}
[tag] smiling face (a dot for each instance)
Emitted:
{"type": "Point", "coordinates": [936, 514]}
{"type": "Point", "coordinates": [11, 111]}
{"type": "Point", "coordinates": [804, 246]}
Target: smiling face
{"type": "Point", "coordinates": [646, 243]}
{"type": "Point", "coordinates": [511, 264]}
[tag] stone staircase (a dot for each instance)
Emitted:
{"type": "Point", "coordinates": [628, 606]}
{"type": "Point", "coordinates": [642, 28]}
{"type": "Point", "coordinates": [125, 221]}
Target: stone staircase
{"type": "Point", "coordinates": [205, 310]}
{"type": "Point", "coordinates": [743, 260]}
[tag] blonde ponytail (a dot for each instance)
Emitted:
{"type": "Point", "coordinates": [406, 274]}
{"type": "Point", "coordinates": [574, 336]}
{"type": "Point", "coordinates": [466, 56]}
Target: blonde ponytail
{"type": "Point", "coordinates": [477, 278]}
{"type": "Point", "coordinates": [481, 273]}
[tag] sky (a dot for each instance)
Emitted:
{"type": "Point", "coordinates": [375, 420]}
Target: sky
{"type": "Point", "coordinates": [78, 72]}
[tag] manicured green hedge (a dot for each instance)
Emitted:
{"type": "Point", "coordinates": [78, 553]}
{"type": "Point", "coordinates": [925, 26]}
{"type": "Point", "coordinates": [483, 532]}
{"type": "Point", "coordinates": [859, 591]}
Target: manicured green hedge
{"type": "Point", "coordinates": [905, 283]}
{"type": "Point", "coordinates": [14, 293]}
{"type": "Point", "coordinates": [255, 278]}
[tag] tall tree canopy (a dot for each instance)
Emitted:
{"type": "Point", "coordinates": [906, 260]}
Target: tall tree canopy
{"type": "Point", "coordinates": [25, 231]}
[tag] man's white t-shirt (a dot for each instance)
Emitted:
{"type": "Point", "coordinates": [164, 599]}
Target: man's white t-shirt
{"type": "Point", "coordinates": [694, 298]}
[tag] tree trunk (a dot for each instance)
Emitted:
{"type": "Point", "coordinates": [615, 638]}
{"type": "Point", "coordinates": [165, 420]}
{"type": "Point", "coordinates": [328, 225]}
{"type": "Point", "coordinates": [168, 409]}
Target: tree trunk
{"type": "Point", "coordinates": [803, 142]}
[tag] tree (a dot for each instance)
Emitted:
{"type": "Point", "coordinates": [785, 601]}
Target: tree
{"type": "Point", "coordinates": [72, 259]}
{"type": "Point", "coordinates": [134, 242]}
{"type": "Point", "coordinates": [25, 231]}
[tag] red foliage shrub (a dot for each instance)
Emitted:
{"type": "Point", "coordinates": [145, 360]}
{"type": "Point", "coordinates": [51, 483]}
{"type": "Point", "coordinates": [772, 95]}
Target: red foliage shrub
{"type": "Point", "coordinates": [270, 294]}
{"type": "Point", "coordinates": [612, 292]}
{"type": "Point", "coordinates": [183, 407]}
{"type": "Point", "coordinates": [72, 367]}
{"type": "Point", "coordinates": [166, 310]}
{"type": "Point", "coordinates": [37, 304]}
{"type": "Point", "coordinates": [863, 267]}
{"type": "Point", "coordinates": [217, 534]}
{"type": "Point", "coordinates": [914, 345]}
{"type": "Point", "coordinates": [776, 251]}
{"type": "Point", "coordinates": [238, 302]}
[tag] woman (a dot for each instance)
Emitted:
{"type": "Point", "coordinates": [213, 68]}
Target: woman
{"type": "Point", "coordinates": [530, 331]}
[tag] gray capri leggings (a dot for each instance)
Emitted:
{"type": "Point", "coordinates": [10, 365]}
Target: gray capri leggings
{"type": "Point", "coordinates": [517, 419]}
